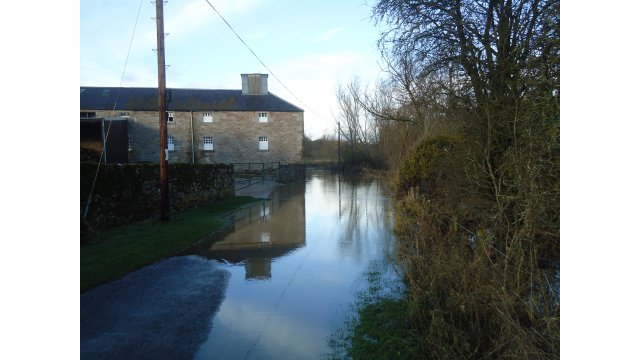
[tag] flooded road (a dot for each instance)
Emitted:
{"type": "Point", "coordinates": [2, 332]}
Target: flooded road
{"type": "Point", "coordinates": [296, 263]}
{"type": "Point", "coordinates": [286, 274]}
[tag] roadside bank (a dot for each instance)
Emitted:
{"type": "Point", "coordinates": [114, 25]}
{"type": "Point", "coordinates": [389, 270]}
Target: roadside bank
{"type": "Point", "coordinates": [118, 251]}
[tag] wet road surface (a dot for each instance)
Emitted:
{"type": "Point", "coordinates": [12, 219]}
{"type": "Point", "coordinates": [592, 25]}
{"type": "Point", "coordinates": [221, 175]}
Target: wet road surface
{"type": "Point", "coordinates": [275, 285]}
{"type": "Point", "coordinates": [162, 311]}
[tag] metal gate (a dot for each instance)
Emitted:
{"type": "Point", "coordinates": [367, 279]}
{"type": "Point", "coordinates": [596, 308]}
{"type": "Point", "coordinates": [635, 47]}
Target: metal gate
{"type": "Point", "coordinates": [247, 174]}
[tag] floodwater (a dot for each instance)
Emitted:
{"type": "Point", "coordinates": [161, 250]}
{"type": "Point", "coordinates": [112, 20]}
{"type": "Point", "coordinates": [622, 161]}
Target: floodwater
{"type": "Point", "coordinates": [296, 264]}
{"type": "Point", "coordinates": [276, 285]}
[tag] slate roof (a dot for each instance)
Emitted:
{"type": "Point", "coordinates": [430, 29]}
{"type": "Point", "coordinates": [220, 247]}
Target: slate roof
{"type": "Point", "coordinates": [146, 99]}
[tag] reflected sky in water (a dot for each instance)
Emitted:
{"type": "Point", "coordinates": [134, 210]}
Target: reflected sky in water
{"type": "Point", "coordinates": [296, 262]}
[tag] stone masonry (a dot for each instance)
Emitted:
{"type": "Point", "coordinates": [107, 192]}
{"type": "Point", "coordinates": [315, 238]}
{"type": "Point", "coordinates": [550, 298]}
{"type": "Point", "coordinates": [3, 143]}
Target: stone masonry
{"type": "Point", "coordinates": [235, 137]}
{"type": "Point", "coordinates": [235, 129]}
{"type": "Point", "coordinates": [130, 192]}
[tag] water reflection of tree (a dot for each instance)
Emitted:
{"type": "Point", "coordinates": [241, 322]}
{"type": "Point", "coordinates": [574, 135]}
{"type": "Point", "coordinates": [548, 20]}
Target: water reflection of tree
{"type": "Point", "coordinates": [363, 212]}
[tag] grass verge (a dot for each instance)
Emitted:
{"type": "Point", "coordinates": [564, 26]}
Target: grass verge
{"type": "Point", "coordinates": [118, 251]}
{"type": "Point", "coordinates": [378, 327]}
{"type": "Point", "coordinates": [382, 331]}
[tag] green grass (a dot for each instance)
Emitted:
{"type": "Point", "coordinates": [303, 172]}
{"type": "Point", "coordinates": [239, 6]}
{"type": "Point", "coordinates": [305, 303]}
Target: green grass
{"type": "Point", "coordinates": [382, 332]}
{"type": "Point", "coordinates": [378, 326]}
{"type": "Point", "coordinates": [118, 251]}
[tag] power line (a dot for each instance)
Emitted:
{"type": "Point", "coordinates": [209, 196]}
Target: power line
{"type": "Point", "coordinates": [263, 64]}
{"type": "Point", "coordinates": [115, 103]}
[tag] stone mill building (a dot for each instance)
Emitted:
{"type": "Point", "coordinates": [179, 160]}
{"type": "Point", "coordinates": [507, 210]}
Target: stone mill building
{"type": "Point", "coordinates": [204, 126]}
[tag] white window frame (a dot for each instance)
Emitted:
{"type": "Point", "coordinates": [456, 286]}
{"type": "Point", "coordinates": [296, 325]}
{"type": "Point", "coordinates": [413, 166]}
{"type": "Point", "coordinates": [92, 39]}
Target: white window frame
{"type": "Point", "coordinates": [171, 143]}
{"type": "Point", "coordinates": [124, 114]}
{"type": "Point", "coordinates": [207, 117]}
{"type": "Point", "coordinates": [263, 117]}
{"type": "Point", "coordinates": [170, 116]}
{"type": "Point", "coordinates": [207, 143]}
{"type": "Point", "coordinates": [263, 143]}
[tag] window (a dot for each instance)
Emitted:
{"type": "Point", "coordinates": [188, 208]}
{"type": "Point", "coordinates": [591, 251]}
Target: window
{"type": "Point", "coordinates": [263, 117]}
{"type": "Point", "coordinates": [208, 143]}
{"type": "Point", "coordinates": [169, 116]}
{"type": "Point", "coordinates": [129, 144]}
{"type": "Point", "coordinates": [171, 143]}
{"type": "Point", "coordinates": [207, 117]}
{"type": "Point", "coordinates": [105, 92]}
{"type": "Point", "coordinates": [87, 114]}
{"type": "Point", "coordinates": [263, 143]}
{"type": "Point", "coordinates": [124, 114]}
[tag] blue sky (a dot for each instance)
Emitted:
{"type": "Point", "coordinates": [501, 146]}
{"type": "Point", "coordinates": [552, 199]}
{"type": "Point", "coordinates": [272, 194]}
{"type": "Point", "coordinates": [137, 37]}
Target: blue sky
{"type": "Point", "coordinates": [310, 46]}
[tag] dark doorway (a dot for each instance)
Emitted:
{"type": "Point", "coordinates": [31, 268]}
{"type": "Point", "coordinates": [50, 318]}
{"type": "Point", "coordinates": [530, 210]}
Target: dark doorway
{"type": "Point", "coordinates": [93, 134]}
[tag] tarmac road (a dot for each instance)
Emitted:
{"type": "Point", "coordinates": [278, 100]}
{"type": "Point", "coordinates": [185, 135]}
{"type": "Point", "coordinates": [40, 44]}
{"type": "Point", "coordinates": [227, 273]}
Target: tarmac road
{"type": "Point", "coordinates": [162, 311]}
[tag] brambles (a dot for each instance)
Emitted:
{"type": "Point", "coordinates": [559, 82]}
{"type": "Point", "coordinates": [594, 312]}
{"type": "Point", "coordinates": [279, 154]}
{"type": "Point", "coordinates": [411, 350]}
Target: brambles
{"type": "Point", "coordinates": [468, 121]}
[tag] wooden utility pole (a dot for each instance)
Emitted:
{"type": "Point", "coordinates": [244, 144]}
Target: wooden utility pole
{"type": "Point", "coordinates": [339, 162]}
{"type": "Point", "coordinates": [162, 114]}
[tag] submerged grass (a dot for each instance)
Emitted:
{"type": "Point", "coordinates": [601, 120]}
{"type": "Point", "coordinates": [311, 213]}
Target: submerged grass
{"type": "Point", "coordinates": [382, 331]}
{"type": "Point", "coordinates": [378, 325]}
{"type": "Point", "coordinates": [118, 251]}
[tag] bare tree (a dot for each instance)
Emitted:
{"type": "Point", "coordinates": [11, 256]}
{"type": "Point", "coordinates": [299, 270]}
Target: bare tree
{"type": "Point", "coordinates": [357, 125]}
{"type": "Point", "coordinates": [496, 50]}
{"type": "Point", "coordinates": [491, 68]}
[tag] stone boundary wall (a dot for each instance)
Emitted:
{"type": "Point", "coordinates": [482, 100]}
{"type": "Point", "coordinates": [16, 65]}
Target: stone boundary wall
{"type": "Point", "coordinates": [288, 173]}
{"type": "Point", "coordinates": [131, 192]}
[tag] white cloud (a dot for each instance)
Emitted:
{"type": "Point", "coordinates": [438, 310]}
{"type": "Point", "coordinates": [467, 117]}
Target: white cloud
{"type": "Point", "coordinates": [328, 34]}
{"type": "Point", "coordinates": [191, 17]}
{"type": "Point", "coordinates": [198, 13]}
{"type": "Point", "coordinates": [257, 36]}
{"type": "Point", "coordinates": [228, 7]}
{"type": "Point", "coordinates": [313, 79]}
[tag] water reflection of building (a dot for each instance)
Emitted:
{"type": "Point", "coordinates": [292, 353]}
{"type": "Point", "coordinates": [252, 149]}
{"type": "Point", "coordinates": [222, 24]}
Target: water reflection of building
{"type": "Point", "coordinates": [263, 232]}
